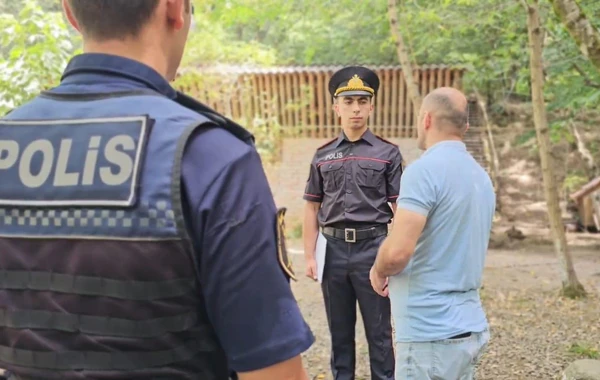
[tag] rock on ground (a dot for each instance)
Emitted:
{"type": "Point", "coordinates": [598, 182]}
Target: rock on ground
{"type": "Point", "coordinates": [583, 370]}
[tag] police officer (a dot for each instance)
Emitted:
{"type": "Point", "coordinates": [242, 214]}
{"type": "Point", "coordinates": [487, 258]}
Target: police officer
{"type": "Point", "coordinates": [351, 182]}
{"type": "Point", "coordinates": [137, 228]}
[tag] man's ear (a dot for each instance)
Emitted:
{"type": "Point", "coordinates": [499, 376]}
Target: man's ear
{"type": "Point", "coordinates": [336, 108]}
{"type": "Point", "coordinates": [69, 14]}
{"type": "Point", "coordinates": [427, 120]}
{"type": "Point", "coordinates": [176, 13]}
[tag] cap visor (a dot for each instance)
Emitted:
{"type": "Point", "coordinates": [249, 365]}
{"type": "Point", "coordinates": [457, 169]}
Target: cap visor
{"type": "Point", "coordinates": [355, 93]}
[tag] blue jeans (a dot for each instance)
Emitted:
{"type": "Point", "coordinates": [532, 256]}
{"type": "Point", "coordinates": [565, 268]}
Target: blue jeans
{"type": "Point", "coordinates": [448, 359]}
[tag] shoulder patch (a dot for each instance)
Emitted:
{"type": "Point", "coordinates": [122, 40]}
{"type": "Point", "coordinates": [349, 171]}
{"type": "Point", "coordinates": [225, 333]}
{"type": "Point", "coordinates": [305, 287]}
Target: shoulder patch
{"type": "Point", "coordinates": [327, 143]}
{"type": "Point", "coordinates": [385, 141]}
{"type": "Point", "coordinates": [282, 254]}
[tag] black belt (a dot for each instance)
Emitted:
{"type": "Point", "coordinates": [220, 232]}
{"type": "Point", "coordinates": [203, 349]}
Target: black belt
{"type": "Point", "coordinates": [352, 235]}
{"type": "Point", "coordinates": [461, 336]}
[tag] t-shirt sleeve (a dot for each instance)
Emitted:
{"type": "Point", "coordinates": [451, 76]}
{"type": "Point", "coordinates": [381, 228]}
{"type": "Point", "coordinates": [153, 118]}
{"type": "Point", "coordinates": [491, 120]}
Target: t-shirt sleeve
{"type": "Point", "coordinates": [418, 191]}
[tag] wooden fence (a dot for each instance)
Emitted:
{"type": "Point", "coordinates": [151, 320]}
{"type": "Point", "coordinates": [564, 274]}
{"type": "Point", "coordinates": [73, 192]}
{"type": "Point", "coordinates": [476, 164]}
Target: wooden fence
{"type": "Point", "coordinates": [298, 98]}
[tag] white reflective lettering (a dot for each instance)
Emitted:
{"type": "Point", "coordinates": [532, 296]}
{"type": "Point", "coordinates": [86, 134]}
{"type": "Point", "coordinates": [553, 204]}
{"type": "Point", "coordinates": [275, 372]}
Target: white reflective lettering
{"type": "Point", "coordinates": [61, 177]}
{"type": "Point", "coordinates": [122, 160]}
{"type": "Point", "coordinates": [9, 152]}
{"type": "Point", "coordinates": [334, 156]}
{"type": "Point", "coordinates": [89, 169]}
{"type": "Point", "coordinates": [27, 178]}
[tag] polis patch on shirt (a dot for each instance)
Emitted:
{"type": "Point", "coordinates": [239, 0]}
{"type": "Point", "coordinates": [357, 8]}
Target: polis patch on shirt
{"type": "Point", "coordinates": [78, 162]}
{"type": "Point", "coordinates": [333, 156]}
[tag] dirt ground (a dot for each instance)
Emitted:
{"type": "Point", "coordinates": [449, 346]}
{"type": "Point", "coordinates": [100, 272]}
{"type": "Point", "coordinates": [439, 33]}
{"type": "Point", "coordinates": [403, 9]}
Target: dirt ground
{"type": "Point", "coordinates": [535, 333]}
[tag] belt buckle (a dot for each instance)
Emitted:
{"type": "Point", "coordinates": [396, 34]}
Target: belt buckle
{"type": "Point", "coordinates": [347, 231]}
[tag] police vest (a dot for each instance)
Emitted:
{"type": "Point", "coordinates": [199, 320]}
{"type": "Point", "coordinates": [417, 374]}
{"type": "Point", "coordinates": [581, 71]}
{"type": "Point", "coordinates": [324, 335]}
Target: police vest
{"type": "Point", "coordinates": [97, 273]}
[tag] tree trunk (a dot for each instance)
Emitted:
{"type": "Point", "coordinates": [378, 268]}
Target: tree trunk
{"type": "Point", "coordinates": [494, 160]}
{"type": "Point", "coordinates": [580, 28]}
{"type": "Point", "coordinates": [571, 287]}
{"type": "Point", "coordinates": [404, 57]}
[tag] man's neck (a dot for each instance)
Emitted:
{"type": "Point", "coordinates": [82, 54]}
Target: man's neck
{"type": "Point", "coordinates": [441, 138]}
{"type": "Point", "coordinates": [128, 49]}
{"type": "Point", "coordinates": [354, 134]}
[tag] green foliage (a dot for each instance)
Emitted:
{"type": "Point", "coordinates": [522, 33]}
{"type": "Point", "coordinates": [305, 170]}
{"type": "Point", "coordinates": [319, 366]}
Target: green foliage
{"type": "Point", "coordinates": [574, 181]}
{"type": "Point", "coordinates": [36, 48]}
{"type": "Point", "coordinates": [489, 37]}
{"type": "Point", "coordinates": [311, 32]}
{"type": "Point", "coordinates": [14, 6]}
{"type": "Point", "coordinates": [210, 43]}
{"type": "Point", "coordinates": [584, 350]}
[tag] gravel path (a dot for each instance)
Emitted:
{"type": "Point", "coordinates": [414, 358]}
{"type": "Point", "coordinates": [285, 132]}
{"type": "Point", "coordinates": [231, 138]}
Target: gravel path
{"type": "Point", "coordinates": [533, 330]}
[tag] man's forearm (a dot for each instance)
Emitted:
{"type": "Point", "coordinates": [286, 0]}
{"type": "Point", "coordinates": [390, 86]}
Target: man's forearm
{"type": "Point", "coordinates": [388, 262]}
{"type": "Point", "coordinates": [310, 230]}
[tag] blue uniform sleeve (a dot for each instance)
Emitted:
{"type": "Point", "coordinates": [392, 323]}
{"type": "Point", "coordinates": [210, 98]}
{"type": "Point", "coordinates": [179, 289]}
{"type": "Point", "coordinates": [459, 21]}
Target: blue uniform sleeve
{"type": "Point", "coordinates": [418, 191]}
{"type": "Point", "coordinates": [249, 299]}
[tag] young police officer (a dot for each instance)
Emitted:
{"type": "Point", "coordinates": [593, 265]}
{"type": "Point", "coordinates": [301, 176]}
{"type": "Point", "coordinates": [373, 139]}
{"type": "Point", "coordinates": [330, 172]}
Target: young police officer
{"type": "Point", "coordinates": [137, 228]}
{"type": "Point", "coordinates": [352, 178]}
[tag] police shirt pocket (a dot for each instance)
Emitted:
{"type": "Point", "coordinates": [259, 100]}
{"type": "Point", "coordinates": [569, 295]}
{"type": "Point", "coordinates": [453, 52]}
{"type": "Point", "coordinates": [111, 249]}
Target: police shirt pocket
{"type": "Point", "coordinates": [370, 173]}
{"type": "Point", "coordinates": [333, 175]}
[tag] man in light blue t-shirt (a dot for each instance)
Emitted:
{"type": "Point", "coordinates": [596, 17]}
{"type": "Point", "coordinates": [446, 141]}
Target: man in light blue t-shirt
{"type": "Point", "coordinates": [432, 262]}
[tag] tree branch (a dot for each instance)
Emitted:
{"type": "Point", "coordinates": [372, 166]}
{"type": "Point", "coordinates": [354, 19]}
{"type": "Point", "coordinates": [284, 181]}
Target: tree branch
{"type": "Point", "coordinates": [580, 28]}
{"type": "Point", "coordinates": [588, 82]}
{"type": "Point", "coordinates": [524, 3]}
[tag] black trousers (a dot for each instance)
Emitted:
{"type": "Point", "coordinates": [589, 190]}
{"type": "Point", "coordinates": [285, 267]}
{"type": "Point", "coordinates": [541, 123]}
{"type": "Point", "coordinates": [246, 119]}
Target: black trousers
{"type": "Point", "coordinates": [346, 281]}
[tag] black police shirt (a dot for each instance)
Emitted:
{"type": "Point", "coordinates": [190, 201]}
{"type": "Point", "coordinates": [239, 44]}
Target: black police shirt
{"type": "Point", "coordinates": [354, 181]}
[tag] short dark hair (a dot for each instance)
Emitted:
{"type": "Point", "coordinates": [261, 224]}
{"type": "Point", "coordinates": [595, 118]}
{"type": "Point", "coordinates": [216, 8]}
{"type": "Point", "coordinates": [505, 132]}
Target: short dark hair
{"type": "Point", "coordinates": [448, 112]}
{"type": "Point", "coordinates": [112, 19]}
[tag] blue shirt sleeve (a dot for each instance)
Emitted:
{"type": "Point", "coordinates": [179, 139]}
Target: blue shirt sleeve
{"type": "Point", "coordinates": [249, 299]}
{"type": "Point", "coordinates": [418, 191]}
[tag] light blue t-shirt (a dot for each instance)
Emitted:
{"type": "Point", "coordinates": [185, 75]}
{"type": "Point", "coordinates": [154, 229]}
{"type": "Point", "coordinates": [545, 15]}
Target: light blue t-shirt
{"type": "Point", "coordinates": [437, 294]}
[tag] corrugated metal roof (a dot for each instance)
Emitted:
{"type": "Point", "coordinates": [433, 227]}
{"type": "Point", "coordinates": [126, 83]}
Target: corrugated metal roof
{"type": "Point", "coordinates": [235, 69]}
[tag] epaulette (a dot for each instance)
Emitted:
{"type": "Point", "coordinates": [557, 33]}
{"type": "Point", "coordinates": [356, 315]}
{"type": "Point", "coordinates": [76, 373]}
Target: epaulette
{"type": "Point", "coordinates": [386, 141]}
{"type": "Point", "coordinates": [327, 143]}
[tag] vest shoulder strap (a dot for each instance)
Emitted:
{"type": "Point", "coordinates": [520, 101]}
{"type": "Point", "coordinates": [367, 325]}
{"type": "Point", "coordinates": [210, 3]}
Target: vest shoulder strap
{"type": "Point", "coordinates": [220, 120]}
{"type": "Point", "coordinates": [182, 99]}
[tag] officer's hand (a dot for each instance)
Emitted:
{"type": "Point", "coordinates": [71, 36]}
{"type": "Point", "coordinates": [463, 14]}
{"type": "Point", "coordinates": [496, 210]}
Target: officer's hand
{"type": "Point", "coordinates": [311, 268]}
{"type": "Point", "coordinates": [379, 283]}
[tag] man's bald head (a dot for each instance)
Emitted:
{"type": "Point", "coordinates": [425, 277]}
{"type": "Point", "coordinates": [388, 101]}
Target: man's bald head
{"type": "Point", "coordinates": [448, 107]}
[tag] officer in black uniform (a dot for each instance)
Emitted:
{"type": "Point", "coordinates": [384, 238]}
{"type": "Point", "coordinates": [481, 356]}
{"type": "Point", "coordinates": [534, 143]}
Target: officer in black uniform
{"type": "Point", "coordinates": [352, 181]}
{"type": "Point", "coordinates": [138, 234]}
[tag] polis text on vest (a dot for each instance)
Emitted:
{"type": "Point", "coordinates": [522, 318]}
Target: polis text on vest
{"type": "Point", "coordinates": [38, 160]}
